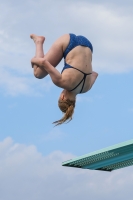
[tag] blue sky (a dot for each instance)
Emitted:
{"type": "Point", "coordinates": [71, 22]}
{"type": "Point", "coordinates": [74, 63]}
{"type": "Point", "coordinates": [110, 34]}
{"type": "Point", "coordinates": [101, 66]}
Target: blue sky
{"type": "Point", "coordinates": [31, 148]}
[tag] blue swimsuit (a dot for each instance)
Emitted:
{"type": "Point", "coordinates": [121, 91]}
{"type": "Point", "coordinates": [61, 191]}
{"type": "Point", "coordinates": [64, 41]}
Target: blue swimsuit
{"type": "Point", "coordinates": [76, 41]}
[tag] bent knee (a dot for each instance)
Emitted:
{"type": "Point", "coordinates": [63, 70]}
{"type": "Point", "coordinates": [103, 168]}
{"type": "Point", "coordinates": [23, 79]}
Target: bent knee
{"type": "Point", "coordinates": [39, 75]}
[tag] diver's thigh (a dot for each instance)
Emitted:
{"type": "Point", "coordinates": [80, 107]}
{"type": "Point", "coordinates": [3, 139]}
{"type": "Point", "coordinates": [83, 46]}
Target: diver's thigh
{"type": "Point", "coordinates": [55, 53]}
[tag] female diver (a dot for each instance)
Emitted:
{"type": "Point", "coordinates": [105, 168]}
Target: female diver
{"type": "Point", "coordinates": [76, 76]}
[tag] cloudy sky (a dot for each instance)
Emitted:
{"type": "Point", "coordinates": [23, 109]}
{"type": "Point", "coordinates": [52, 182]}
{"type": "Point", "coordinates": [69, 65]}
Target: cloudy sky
{"type": "Point", "coordinates": [31, 149]}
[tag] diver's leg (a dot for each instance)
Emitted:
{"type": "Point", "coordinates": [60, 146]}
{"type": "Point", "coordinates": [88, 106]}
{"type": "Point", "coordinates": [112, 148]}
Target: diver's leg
{"type": "Point", "coordinates": [38, 40]}
{"type": "Point", "coordinates": [55, 53]}
{"type": "Point", "coordinates": [53, 56]}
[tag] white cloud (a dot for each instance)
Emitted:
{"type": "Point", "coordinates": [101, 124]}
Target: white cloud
{"type": "Point", "coordinates": [55, 134]}
{"type": "Point", "coordinates": [26, 174]}
{"type": "Point", "coordinates": [17, 84]}
{"type": "Point", "coordinates": [110, 33]}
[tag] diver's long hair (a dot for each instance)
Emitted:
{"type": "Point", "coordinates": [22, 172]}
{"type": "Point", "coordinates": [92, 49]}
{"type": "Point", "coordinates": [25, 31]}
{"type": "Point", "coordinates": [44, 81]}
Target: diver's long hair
{"type": "Point", "coordinates": [67, 107]}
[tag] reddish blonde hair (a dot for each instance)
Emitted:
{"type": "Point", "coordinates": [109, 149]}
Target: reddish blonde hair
{"type": "Point", "coordinates": [67, 107]}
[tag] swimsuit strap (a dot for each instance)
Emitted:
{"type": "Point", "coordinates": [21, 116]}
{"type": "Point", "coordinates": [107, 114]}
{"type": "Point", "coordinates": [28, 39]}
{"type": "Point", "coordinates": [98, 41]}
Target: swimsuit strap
{"type": "Point", "coordinates": [83, 82]}
{"type": "Point", "coordinates": [80, 70]}
{"type": "Point", "coordinates": [67, 66]}
{"type": "Point", "coordinates": [78, 85]}
{"type": "Point", "coordinates": [83, 79]}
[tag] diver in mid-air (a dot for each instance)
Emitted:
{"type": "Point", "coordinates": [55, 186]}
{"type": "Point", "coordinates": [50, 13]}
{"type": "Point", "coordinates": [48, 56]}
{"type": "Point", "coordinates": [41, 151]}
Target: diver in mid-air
{"type": "Point", "coordinates": [76, 76]}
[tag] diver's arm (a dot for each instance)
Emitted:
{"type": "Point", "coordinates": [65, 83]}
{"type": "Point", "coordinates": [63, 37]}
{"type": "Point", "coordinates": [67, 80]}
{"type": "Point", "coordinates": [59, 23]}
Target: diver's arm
{"type": "Point", "coordinates": [52, 71]}
{"type": "Point", "coordinates": [39, 72]}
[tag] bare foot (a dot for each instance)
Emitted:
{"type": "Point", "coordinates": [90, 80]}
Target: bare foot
{"type": "Point", "coordinates": [37, 38]}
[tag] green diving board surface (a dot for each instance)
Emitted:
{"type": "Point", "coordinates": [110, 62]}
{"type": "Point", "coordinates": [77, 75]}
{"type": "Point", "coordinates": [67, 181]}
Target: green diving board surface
{"type": "Point", "coordinates": [107, 159]}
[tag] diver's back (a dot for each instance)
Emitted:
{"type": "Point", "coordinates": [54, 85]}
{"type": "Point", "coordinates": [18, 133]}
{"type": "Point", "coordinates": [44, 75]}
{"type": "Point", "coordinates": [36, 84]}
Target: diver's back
{"type": "Point", "coordinates": [81, 58]}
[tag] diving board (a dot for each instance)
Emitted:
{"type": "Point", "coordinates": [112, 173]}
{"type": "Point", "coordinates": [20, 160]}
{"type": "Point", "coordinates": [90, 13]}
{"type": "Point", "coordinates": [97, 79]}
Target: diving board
{"type": "Point", "coordinates": [107, 159]}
